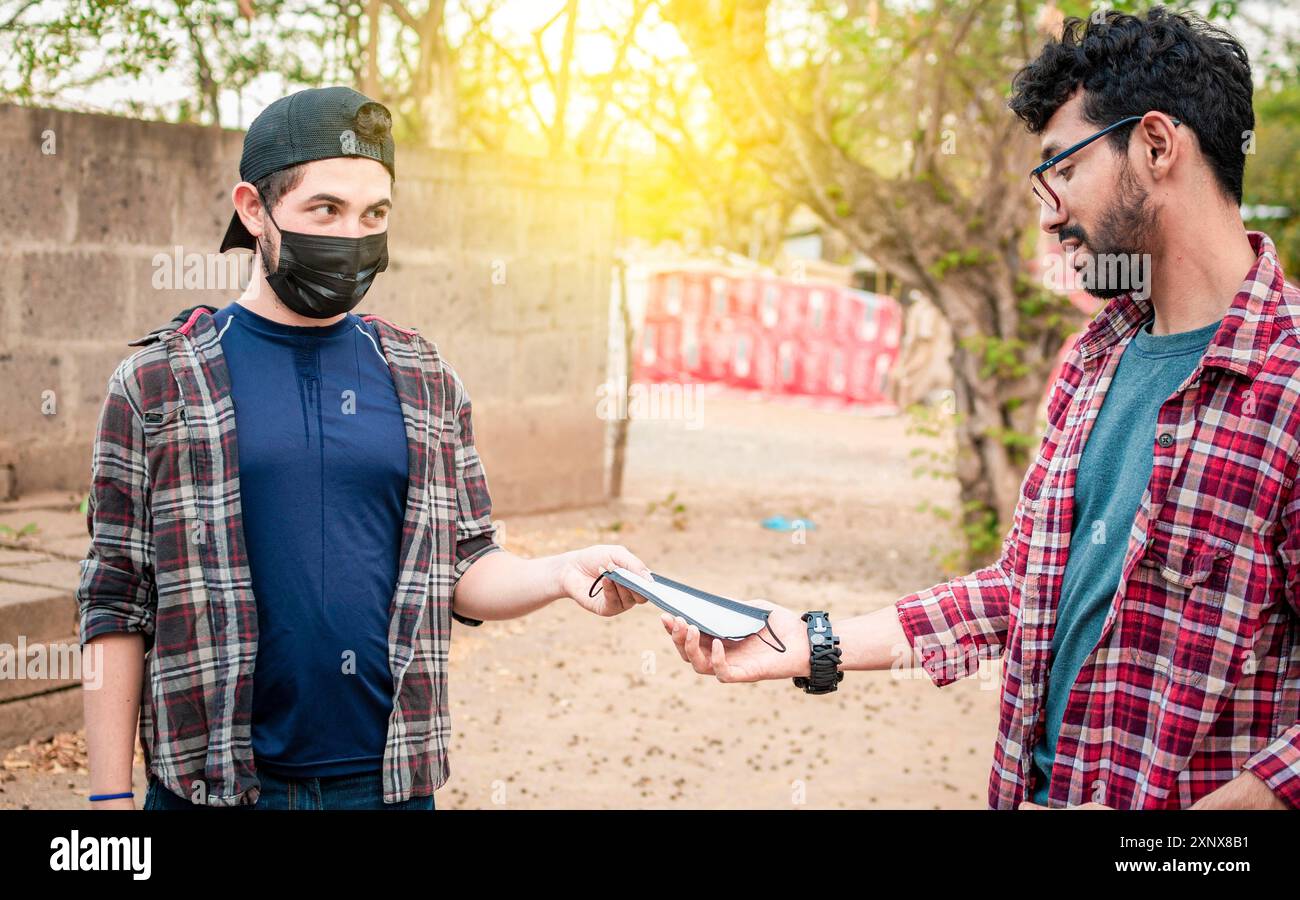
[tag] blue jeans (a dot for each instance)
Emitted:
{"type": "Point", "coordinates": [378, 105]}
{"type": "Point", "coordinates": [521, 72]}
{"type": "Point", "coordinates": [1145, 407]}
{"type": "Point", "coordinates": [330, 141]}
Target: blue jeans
{"type": "Point", "coordinates": [361, 791]}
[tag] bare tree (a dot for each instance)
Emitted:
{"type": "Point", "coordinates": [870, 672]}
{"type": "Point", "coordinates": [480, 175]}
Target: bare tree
{"type": "Point", "coordinates": [425, 85]}
{"type": "Point", "coordinates": [890, 124]}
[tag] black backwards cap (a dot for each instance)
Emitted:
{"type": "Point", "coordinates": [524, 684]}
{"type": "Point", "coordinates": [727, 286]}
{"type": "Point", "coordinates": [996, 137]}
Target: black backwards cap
{"type": "Point", "coordinates": [318, 123]}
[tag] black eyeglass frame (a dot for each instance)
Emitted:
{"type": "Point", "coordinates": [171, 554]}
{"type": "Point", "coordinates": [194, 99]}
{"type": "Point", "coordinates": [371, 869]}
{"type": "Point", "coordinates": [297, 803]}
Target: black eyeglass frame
{"type": "Point", "coordinates": [1036, 179]}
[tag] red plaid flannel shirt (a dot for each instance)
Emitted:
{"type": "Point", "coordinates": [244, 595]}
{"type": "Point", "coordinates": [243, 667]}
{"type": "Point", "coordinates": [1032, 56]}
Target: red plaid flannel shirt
{"type": "Point", "coordinates": [167, 557]}
{"type": "Point", "coordinates": [1196, 675]}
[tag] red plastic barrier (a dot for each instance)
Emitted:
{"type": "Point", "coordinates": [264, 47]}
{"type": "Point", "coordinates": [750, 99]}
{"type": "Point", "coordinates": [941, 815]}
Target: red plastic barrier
{"type": "Point", "coordinates": [659, 358]}
{"type": "Point", "coordinates": [875, 350]}
{"type": "Point", "coordinates": [771, 334]}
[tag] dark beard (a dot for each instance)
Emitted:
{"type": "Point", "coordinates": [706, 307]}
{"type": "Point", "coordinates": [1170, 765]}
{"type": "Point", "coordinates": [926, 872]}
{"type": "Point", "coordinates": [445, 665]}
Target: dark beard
{"type": "Point", "coordinates": [1125, 230]}
{"type": "Point", "coordinates": [265, 246]}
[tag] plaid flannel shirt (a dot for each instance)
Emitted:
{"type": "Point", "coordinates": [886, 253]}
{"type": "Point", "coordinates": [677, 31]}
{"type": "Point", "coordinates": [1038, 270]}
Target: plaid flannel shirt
{"type": "Point", "coordinates": [1196, 675]}
{"type": "Point", "coordinates": [167, 557]}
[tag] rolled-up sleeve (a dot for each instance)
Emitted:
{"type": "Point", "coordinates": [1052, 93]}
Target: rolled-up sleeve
{"type": "Point", "coordinates": [955, 624]}
{"type": "Point", "coordinates": [475, 530]}
{"type": "Point", "coordinates": [1278, 765]}
{"type": "Point", "coordinates": [116, 592]}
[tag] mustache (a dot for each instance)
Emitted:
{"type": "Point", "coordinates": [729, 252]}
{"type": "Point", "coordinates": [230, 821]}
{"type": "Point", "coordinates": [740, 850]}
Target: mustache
{"type": "Point", "coordinates": [1072, 231]}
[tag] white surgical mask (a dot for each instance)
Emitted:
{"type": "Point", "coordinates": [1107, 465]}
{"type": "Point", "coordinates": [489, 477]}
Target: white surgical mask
{"type": "Point", "coordinates": [716, 616]}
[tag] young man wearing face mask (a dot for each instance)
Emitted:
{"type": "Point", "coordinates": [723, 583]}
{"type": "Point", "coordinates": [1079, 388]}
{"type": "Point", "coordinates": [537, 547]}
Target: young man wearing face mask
{"type": "Point", "coordinates": [329, 546]}
{"type": "Point", "coordinates": [1146, 604]}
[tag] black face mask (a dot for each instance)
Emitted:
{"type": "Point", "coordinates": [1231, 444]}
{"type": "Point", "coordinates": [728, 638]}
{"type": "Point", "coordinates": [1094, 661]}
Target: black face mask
{"type": "Point", "coordinates": [321, 276]}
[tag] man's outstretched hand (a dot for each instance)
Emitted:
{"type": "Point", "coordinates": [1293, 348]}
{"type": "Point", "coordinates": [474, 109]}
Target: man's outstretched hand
{"type": "Point", "coordinates": [579, 568]}
{"type": "Point", "coordinates": [749, 659]}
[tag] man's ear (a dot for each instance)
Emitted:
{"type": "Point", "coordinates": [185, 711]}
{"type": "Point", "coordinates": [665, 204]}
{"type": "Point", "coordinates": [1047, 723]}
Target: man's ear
{"type": "Point", "coordinates": [249, 208]}
{"type": "Point", "coordinates": [1161, 148]}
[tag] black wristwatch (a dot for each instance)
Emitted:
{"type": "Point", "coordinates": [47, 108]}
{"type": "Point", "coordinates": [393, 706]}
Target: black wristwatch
{"type": "Point", "coordinates": [824, 660]}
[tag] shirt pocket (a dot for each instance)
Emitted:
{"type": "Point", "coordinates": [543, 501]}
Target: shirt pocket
{"type": "Point", "coordinates": [170, 461]}
{"type": "Point", "coordinates": [1187, 576]}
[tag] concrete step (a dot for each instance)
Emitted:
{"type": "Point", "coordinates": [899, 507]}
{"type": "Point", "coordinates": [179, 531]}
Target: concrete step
{"type": "Point", "coordinates": [40, 717]}
{"type": "Point", "coordinates": [49, 666]}
{"type": "Point", "coordinates": [39, 613]}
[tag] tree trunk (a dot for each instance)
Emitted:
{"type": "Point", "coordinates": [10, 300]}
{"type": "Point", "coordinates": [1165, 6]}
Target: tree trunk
{"type": "Point", "coordinates": [1006, 333]}
{"type": "Point", "coordinates": [621, 423]}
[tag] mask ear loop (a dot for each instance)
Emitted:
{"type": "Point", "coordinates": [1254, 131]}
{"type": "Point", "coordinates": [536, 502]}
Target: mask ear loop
{"type": "Point", "coordinates": [266, 264]}
{"type": "Point", "coordinates": [767, 623]}
{"type": "Point", "coordinates": [592, 591]}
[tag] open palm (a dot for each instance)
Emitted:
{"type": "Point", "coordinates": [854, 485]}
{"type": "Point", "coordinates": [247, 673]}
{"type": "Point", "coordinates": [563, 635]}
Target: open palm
{"type": "Point", "coordinates": [749, 659]}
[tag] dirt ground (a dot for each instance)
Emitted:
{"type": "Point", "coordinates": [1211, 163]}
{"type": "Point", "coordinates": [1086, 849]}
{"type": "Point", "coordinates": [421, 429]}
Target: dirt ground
{"type": "Point", "coordinates": [566, 710]}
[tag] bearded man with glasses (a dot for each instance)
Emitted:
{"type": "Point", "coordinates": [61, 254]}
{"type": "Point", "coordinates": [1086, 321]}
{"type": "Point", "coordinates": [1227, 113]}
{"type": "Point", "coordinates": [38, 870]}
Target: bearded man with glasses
{"type": "Point", "coordinates": [1146, 604]}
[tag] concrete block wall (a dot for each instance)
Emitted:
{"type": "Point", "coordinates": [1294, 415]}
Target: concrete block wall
{"type": "Point", "coordinates": [503, 262]}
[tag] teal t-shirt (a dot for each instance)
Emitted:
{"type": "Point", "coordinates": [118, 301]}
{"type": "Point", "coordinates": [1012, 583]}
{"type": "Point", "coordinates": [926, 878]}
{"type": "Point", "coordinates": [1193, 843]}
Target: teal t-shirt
{"type": "Point", "coordinates": [1113, 475]}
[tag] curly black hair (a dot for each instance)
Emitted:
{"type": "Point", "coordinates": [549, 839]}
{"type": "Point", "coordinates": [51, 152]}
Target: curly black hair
{"type": "Point", "coordinates": [1176, 63]}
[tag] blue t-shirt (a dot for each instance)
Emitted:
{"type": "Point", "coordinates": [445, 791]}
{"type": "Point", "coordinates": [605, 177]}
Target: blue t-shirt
{"type": "Point", "coordinates": [322, 481]}
{"type": "Point", "coordinates": [1113, 475]}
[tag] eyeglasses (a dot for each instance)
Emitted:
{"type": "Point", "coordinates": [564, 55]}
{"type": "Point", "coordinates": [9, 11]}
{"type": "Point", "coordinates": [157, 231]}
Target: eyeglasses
{"type": "Point", "coordinates": [1038, 179]}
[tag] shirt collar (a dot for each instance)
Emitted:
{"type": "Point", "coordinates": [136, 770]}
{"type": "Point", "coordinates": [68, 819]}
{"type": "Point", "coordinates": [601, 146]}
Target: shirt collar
{"type": "Point", "coordinates": [1242, 341]}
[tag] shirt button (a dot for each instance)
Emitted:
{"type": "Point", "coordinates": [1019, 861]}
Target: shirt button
{"type": "Point", "coordinates": [1165, 440]}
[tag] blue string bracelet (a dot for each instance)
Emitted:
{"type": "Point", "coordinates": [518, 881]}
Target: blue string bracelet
{"type": "Point", "coordinates": [111, 796]}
